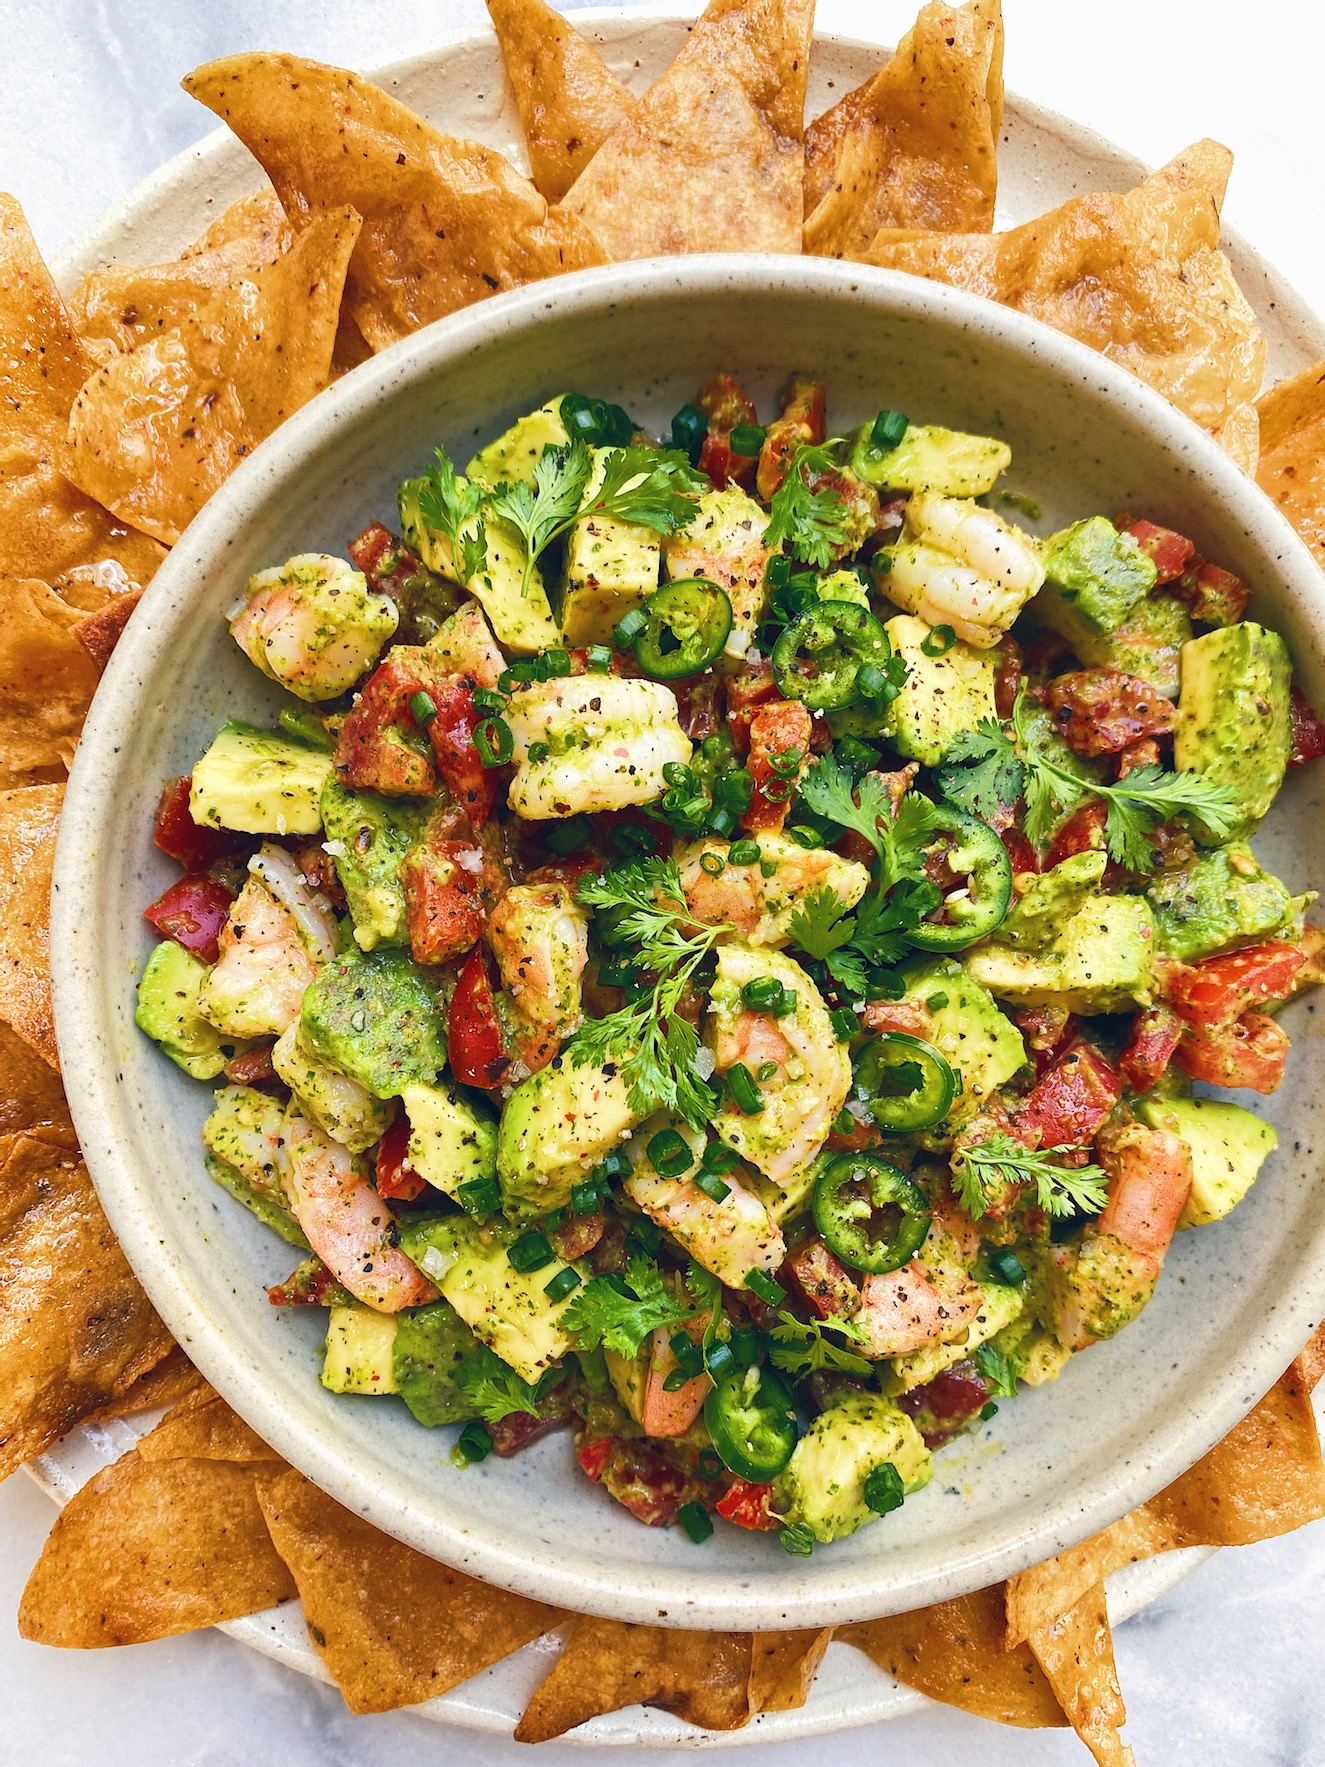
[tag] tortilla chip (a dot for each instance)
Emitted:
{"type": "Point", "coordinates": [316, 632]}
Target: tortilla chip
{"type": "Point", "coordinates": [1075, 1650]}
{"type": "Point", "coordinates": [712, 160]}
{"type": "Point", "coordinates": [1310, 1365]}
{"type": "Point", "coordinates": [76, 1330]}
{"type": "Point", "coordinates": [30, 1090]}
{"type": "Point", "coordinates": [100, 632]}
{"type": "Point", "coordinates": [46, 683]}
{"type": "Point", "coordinates": [445, 222]}
{"type": "Point", "coordinates": [393, 1627]}
{"type": "Point", "coordinates": [203, 1427]}
{"type": "Point", "coordinates": [1292, 466]}
{"type": "Point", "coordinates": [174, 1378]}
{"type": "Point", "coordinates": [156, 431]}
{"type": "Point", "coordinates": [1138, 276]}
{"type": "Point", "coordinates": [29, 820]}
{"type": "Point", "coordinates": [783, 1666]}
{"type": "Point", "coordinates": [569, 100]}
{"type": "Point", "coordinates": [118, 308]}
{"type": "Point", "coordinates": [955, 1652]}
{"type": "Point", "coordinates": [916, 145]}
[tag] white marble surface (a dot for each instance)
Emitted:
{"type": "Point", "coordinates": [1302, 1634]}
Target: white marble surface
{"type": "Point", "coordinates": [1226, 1669]}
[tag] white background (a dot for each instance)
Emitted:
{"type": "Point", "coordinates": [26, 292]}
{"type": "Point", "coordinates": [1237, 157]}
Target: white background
{"type": "Point", "coordinates": [1228, 1669]}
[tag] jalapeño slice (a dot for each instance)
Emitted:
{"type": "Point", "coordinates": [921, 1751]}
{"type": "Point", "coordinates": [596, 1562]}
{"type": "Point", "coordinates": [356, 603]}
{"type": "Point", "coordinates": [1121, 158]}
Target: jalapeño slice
{"type": "Point", "coordinates": [869, 1213]}
{"type": "Point", "coordinates": [970, 865]}
{"type": "Point", "coordinates": [906, 1082]}
{"type": "Point", "coordinates": [820, 654]}
{"type": "Point", "coordinates": [753, 1424]}
{"type": "Point", "coordinates": [686, 624]}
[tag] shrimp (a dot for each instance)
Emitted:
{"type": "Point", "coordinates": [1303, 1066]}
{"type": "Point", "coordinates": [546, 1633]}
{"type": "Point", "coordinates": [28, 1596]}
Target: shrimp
{"type": "Point", "coordinates": [1113, 1275]}
{"type": "Point", "coordinates": [725, 543]}
{"type": "Point", "coordinates": [313, 624]}
{"type": "Point", "coordinates": [759, 907]}
{"type": "Point", "coordinates": [257, 985]}
{"type": "Point", "coordinates": [345, 1220]}
{"type": "Point", "coordinates": [914, 1306]}
{"type": "Point", "coordinates": [603, 744]}
{"type": "Point", "coordinates": [729, 1238]}
{"type": "Point", "coordinates": [339, 1105]}
{"type": "Point", "coordinates": [963, 566]}
{"type": "Point", "coordinates": [540, 936]}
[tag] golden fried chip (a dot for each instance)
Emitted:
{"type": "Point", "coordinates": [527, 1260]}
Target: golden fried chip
{"type": "Point", "coordinates": [1075, 1650]}
{"type": "Point", "coordinates": [157, 430]}
{"type": "Point", "coordinates": [203, 1427]}
{"type": "Point", "coordinates": [100, 632]}
{"type": "Point", "coordinates": [76, 1330]}
{"type": "Point", "coordinates": [1292, 467]}
{"type": "Point", "coordinates": [955, 1652]}
{"type": "Point", "coordinates": [1138, 276]}
{"type": "Point", "coordinates": [712, 160]}
{"type": "Point", "coordinates": [173, 1379]}
{"type": "Point", "coordinates": [916, 145]}
{"type": "Point", "coordinates": [569, 100]}
{"type": "Point", "coordinates": [30, 1089]}
{"type": "Point", "coordinates": [1310, 1365]}
{"type": "Point", "coordinates": [703, 1677]}
{"type": "Point", "coordinates": [117, 308]}
{"type": "Point", "coordinates": [29, 819]}
{"type": "Point", "coordinates": [445, 222]}
{"type": "Point", "coordinates": [393, 1627]}
{"type": "Point", "coordinates": [783, 1666]}
{"type": "Point", "coordinates": [46, 683]}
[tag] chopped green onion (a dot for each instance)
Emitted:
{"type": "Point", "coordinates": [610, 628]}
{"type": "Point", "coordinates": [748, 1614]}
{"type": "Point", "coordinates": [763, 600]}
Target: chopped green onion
{"type": "Point", "coordinates": [845, 1024]}
{"type": "Point", "coordinates": [585, 1198]}
{"type": "Point", "coordinates": [798, 1539]}
{"type": "Point", "coordinates": [884, 1490]}
{"type": "Point", "coordinates": [670, 1153]}
{"type": "Point", "coordinates": [888, 428]}
{"type": "Point", "coordinates": [643, 1236]}
{"type": "Point", "coordinates": [612, 1166]}
{"type": "Point", "coordinates": [720, 1363]}
{"type": "Point", "coordinates": [1007, 1266]}
{"type": "Point", "coordinates": [677, 774]}
{"type": "Point", "coordinates": [937, 1002]}
{"type": "Point", "coordinates": [710, 1464]}
{"type": "Point", "coordinates": [938, 642]}
{"type": "Point", "coordinates": [677, 1379]}
{"type": "Point", "coordinates": [695, 1521]}
{"type": "Point", "coordinates": [763, 994]}
{"type": "Point", "coordinates": [539, 751]}
{"type": "Point", "coordinates": [633, 841]}
{"type": "Point", "coordinates": [481, 1196]}
{"type": "Point", "coordinates": [488, 701]}
{"type": "Point", "coordinates": [734, 788]}
{"type": "Point", "coordinates": [805, 836]}
{"type": "Point", "coordinates": [689, 428]}
{"type": "Point", "coordinates": [987, 1411]}
{"type": "Point", "coordinates": [495, 742]}
{"type": "Point", "coordinates": [555, 1219]}
{"type": "Point", "coordinates": [475, 1442]}
{"type": "Point", "coordinates": [598, 659]}
{"type": "Point", "coordinates": [423, 709]}
{"type": "Point", "coordinates": [871, 682]}
{"type": "Point", "coordinates": [747, 1345]}
{"type": "Point", "coordinates": [766, 1071]}
{"type": "Point", "coordinates": [688, 1353]}
{"type": "Point", "coordinates": [518, 675]}
{"type": "Point", "coordinates": [530, 1252]}
{"type": "Point", "coordinates": [843, 1122]}
{"type": "Point", "coordinates": [720, 1159]}
{"type": "Point", "coordinates": [555, 662]}
{"type": "Point", "coordinates": [723, 821]}
{"type": "Point", "coordinates": [712, 864]}
{"type": "Point", "coordinates": [768, 868]}
{"type": "Point", "coordinates": [745, 1093]}
{"type": "Point", "coordinates": [563, 838]}
{"type": "Point", "coordinates": [564, 1283]}
{"type": "Point", "coordinates": [763, 1287]}
{"type": "Point", "coordinates": [788, 1005]}
{"type": "Point", "coordinates": [786, 761]}
{"type": "Point", "coordinates": [712, 1186]}
{"type": "Point", "coordinates": [746, 440]}
{"type": "Point", "coordinates": [629, 627]}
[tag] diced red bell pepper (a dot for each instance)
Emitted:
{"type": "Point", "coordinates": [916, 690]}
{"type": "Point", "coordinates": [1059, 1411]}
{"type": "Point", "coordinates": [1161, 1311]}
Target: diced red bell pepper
{"type": "Point", "coordinates": [192, 913]}
{"type": "Point", "coordinates": [474, 1035]}
{"type": "Point", "coordinates": [748, 1505]}
{"type": "Point", "coordinates": [1219, 989]}
{"type": "Point", "coordinates": [1308, 732]}
{"type": "Point", "coordinates": [779, 749]}
{"type": "Point", "coordinates": [442, 909]}
{"type": "Point", "coordinates": [397, 1180]}
{"type": "Point", "coordinates": [1072, 1097]}
{"type": "Point", "coordinates": [194, 846]}
{"type": "Point", "coordinates": [1099, 711]}
{"type": "Point", "coordinates": [1007, 675]}
{"type": "Point", "coordinates": [802, 422]}
{"type": "Point", "coordinates": [1156, 1033]}
{"type": "Point", "coordinates": [379, 747]}
{"type": "Point", "coordinates": [1249, 1053]}
{"type": "Point", "coordinates": [471, 784]}
{"type": "Point", "coordinates": [823, 1282]}
{"type": "Point", "coordinates": [1171, 552]}
{"type": "Point", "coordinates": [746, 692]}
{"type": "Point", "coordinates": [1211, 594]}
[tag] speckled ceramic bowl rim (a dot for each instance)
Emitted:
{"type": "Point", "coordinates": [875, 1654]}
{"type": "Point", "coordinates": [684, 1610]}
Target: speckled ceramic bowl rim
{"type": "Point", "coordinates": [567, 1578]}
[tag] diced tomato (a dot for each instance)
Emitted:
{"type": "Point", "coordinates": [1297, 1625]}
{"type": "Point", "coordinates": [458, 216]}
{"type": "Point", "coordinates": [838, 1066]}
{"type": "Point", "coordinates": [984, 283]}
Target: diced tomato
{"type": "Point", "coordinates": [1007, 675]}
{"type": "Point", "coordinates": [1083, 832]}
{"type": "Point", "coordinates": [1045, 654]}
{"type": "Point", "coordinates": [520, 1428]}
{"type": "Point", "coordinates": [442, 911]}
{"type": "Point", "coordinates": [1099, 711]}
{"type": "Point", "coordinates": [1072, 1097]}
{"type": "Point", "coordinates": [638, 1477]}
{"type": "Point", "coordinates": [475, 1044]}
{"type": "Point", "coordinates": [725, 406]}
{"type": "Point", "coordinates": [577, 1237]}
{"type": "Point", "coordinates": [311, 1285]}
{"type": "Point", "coordinates": [194, 846]}
{"type": "Point", "coordinates": [1170, 552]}
{"type": "Point", "coordinates": [380, 746]}
{"type": "Point", "coordinates": [471, 784]}
{"type": "Point", "coordinates": [821, 1279]}
{"type": "Point", "coordinates": [396, 1178]}
{"type": "Point", "coordinates": [1211, 594]}
{"type": "Point", "coordinates": [748, 1505]}
{"type": "Point", "coordinates": [947, 1403]}
{"type": "Point", "coordinates": [1138, 754]}
{"type": "Point", "coordinates": [253, 1068]}
{"type": "Point", "coordinates": [1250, 1053]}
{"type": "Point", "coordinates": [1019, 849]}
{"type": "Point", "coordinates": [192, 913]}
{"type": "Point", "coordinates": [1048, 1030]}
{"type": "Point", "coordinates": [1156, 1033]}
{"type": "Point", "coordinates": [594, 1456]}
{"type": "Point", "coordinates": [1308, 732]}
{"type": "Point", "coordinates": [386, 561]}
{"type": "Point", "coordinates": [801, 422]}
{"type": "Point", "coordinates": [1219, 989]}
{"type": "Point", "coordinates": [746, 692]}
{"type": "Point", "coordinates": [779, 749]}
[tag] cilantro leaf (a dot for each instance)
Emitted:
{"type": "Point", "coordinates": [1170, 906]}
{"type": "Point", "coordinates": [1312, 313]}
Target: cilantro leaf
{"type": "Point", "coordinates": [884, 924]}
{"type": "Point", "coordinates": [449, 504]}
{"type": "Point", "coordinates": [649, 487]}
{"type": "Point", "coordinates": [493, 1389]}
{"type": "Point", "coordinates": [812, 523]}
{"type": "Point", "coordinates": [1000, 1161]}
{"type": "Point", "coordinates": [981, 772]}
{"type": "Point", "coordinates": [822, 924]}
{"type": "Point", "coordinates": [618, 1312]}
{"type": "Point", "coordinates": [829, 790]}
{"type": "Point", "coordinates": [540, 511]}
{"type": "Point", "coordinates": [997, 1370]}
{"type": "Point", "coordinates": [801, 1347]}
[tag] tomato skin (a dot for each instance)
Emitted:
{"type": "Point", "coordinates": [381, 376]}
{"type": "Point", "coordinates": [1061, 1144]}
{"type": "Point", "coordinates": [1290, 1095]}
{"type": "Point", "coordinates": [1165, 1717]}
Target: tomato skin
{"type": "Point", "coordinates": [801, 422]}
{"type": "Point", "coordinates": [1170, 552]}
{"type": "Point", "coordinates": [1083, 832]}
{"type": "Point", "coordinates": [444, 916]}
{"type": "Point", "coordinates": [186, 841]}
{"type": "Point", "coordinates": [192, 913]}
{"type": "Point", "coordinates": [396, 1178]}
{"type": "Point", "coordinates": [1218, 990]}
{"type": "Point", "coordinates": [1071, 1098]}
{"type": "Point", "coordinates": [1308, 732]}
{"type": "Point", "coordinates": [1156, 1033]}
{"type": "Point", "coordinates": [1007, 676]}
{"type": "Point", "coordinates": [774, 729]}
{"type": "Point", "coordinates": [471, 784]}
{"type": "Point", "coordinates": [1249, 1053]}
{"type": "Point", "coordinates": [1100, 711]}
{"type": "Point", "coordinates": [748, 1505]}
{"type": "Point", "coordinates": [638, 1477]}
{"type": "Point", "coordinates": [594, 1456]}
{"type": "Point", "coordinates": [475, 1046]}
{"type": "Point", "coordinates": [697, 706]}
{"type": "Point", "coordinates": [1211, 593]}
{"type": "Point", "coordinates": [1019, 849]}
{"type": "Point", "coordinates": [377, 750]}
{"type": "Point", "coordinates": [725, 406]}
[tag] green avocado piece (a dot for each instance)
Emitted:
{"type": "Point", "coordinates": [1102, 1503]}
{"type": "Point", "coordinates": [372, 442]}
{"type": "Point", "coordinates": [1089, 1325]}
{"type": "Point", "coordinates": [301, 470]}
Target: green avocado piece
{"type": "Point", "coordinates": [375, 1017]}
{"type": "Point", "coordinates": [368, 836]}
{"type": "Point", "coordinates": [983, 1046]}
{"type": "Point", "coordinates": [511, 459]}
{"type": "Point", "coordinates": [521, 620]}
{"type": "Point", "coordinates": [451, 1141]}
{"type": "Point", "coordinates": [360, 1352]}
{"type": "Point", "coordinates": [1234, 718]}
{"type": "Point", "coordinates": [941, 697]}
{"type": "Point", "coordinates": [1102, 960]}
{"type": "Point", "coordinates": [998, 1308]}
{"type": "Point", "coordinates": [265, 1206]}
{"type": "Point", "coordinates": [930, 458]}
{"type": "Point", "coordinates": [168, 1011]}
{"type": "Point", "coordinates": [1148, 644]}
{"type": "Point", "coordinates": [430, 1344]}
{"type": "Point", "coordinates": [1036, 918]}
{"type": "Point", "coordinates": [824, 1482]}
{"type": "Point", "coordinates": [259, 783]}
{"type": "Point", "coordinates": [1094, 578]}
{"type": "Point", "coordinates": [610, 567]}
{"type": "Point", "coordinates": [557, 1125]}
{"type": "Point", "coordinates": [1220, 899]}
{"type": "Point", "coordinates": [1229, 1145]}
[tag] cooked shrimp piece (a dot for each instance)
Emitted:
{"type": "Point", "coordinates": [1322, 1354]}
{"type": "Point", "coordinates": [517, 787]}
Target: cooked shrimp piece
{"type": "Point", "coordinates": [963, 566]}
{"type": "Point", "coordinates": [761, 908]}
{"type": "Point", "coordinates": [664, 1413]}
{"type": "Point", "coordinates": [463, 645]}
{"type": "Point", "coordinates": [725, 543]}
{"type": "Point", "coordinates": [1114, 1273]}
{"type": "Point", "coordinates": [907, 1308]}
{"type": "Point", "coordinates": [257, 985]}
{"type": "Point", "coordinates": [605, 742]}
{"type": "Point", "coordinates": [540, 936]}
{"type": "Point", "coordinates": [345, 1220]}
{"type": "Point", "coordinates": [313, 624]}
{"type": "Point", "coordinates": [729, 1238]}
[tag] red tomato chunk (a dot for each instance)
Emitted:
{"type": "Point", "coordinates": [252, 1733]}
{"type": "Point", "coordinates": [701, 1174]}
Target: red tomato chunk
{"type": "Point", "coordinates": [192, 913]}
{"type": "Point", "coordinates": [1099, 711]}
{"type": "Point", "coordinates": [1072, 1097]}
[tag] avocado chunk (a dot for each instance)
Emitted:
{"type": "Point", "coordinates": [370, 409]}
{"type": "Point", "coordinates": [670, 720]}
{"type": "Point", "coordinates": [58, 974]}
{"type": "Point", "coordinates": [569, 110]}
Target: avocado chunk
{"type": "Point", "coordinates": [982, 1045]}
{"type": "Point", "coordinates": [1094, 578]}
{"type": "Point", "coordinates": [242, 1136]}
{"type": "Point", "coordinates": [1234, 716]}
{"type": "Point", "coordinates": [1220, 899]}
{"type": "Point", "coordinates": [941, 697]}
{"type": "Point", "coordinates": [1102, 960]}
{"type": "Point", "coordinates": [1148, 644]}
{"type": "Point", "coordinates": [267, 1209]}
{"type": "Point", "coordinates": [340, 1106]}
{"type": "Point", "coordinates": [431, 1343]}
{"type": "Point", "coordinates": [999, 1307]}
{"type": "Point", "coordinates": [824, 1482]}
{"type": "Point", "coordinates": [451, 1141]}
{"type": "Point", "coordinates": [557, 1125]}
{"type": "Point", "coordinates": [522, 622]}
{"type": "Point", "coordinates": [367, 837]}
{"type": "Point", "coordinates": [375, 1018]}
{"type": "Point", "coordinates": [843, 585]}
{"type": "Point", "coordinates": [610, 567]}
{"type": "Point", "coordinates": [1035, 920]}
{"type": "Point", "coordinates": [629, 1376]}
{"type": "Point", "coordinates": [510, 1311]}
{"type": "Point", "coordinates": [931, 458]}
{"type": "Point", "coordinates": [360, 1352]}
{"type": "Point", "coordinates": [169, 1011]}
{"type": "Point", "coordinates": [1229, 1145]}
{"type": "Point", "coordinates": [511, 459]}
{"type": "Point", "coordinates": [783, 1202]}
{"type": "Point", "coordinates": [259, 783]}
{"type": "Point", "coordinates": [725, 543]}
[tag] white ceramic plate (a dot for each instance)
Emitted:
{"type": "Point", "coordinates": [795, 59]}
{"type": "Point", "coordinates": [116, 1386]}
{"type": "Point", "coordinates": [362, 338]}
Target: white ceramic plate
{"type": "Point", "coordinates": [461, 87]}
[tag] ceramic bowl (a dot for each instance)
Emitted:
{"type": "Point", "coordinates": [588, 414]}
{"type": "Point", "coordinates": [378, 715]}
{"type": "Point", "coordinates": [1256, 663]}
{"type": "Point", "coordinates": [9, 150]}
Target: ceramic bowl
{"type": "Point", "coordinates": [1237, 1300]}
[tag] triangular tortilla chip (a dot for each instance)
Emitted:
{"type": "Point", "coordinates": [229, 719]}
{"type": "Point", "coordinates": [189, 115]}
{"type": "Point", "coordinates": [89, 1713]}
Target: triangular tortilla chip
{"type": "Point", "coordinates": [1292, 468]}
{"type": "Point", "coordinates": [569, 100]}
{"type": "Point", "coordinates": [100, 632]}
{"type": "Point", "coordinates": [203, 1427]}
{"type": "Point", "coordinates": [157, 430]}
{"type": "Point", "coordinates": [783, 1666]}
{"type": "Point", "coordinates": [1138, 276]}
{"type": "Point", "coordinates": [445, 222]}
{"type": "Point", "coordinates": [713, 159]}
{"type": "Point", "coordinates": [393, 1627]}
{"type": "Point", "coordinates": [1075, 1650]}
{"type": "Point", "coordinates": [47, 681]}
{"type": "Point", "coordinates": [174, 1378]}
{"type": "Point", "coordinates": [704, 1677]}
{"type": "Point", "coordinates": [30, 1089]}
{"type": "Point", "coordinates": [29, 820]}
{"type": "Point", "coordinates": [76, 1330]}
{"type": "Point", "coordinates": [117, 308]}
{"type": "Point", "coordinates": [916, 145]}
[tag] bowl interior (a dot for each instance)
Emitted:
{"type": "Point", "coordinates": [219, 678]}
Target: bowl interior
{"type": "Point", "coordinates": [1062, 1461]}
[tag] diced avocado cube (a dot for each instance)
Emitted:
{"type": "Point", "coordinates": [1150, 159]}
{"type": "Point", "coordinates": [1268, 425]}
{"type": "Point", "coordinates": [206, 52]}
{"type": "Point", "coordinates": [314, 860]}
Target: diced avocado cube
{"type": "Point", "coordinates": [981, 1043]}
{"type": "Point", "coordinates": [725, 543]}
{"type": "Point", "coordinates": [522, 622]}
{"type": "Point", "coordinates": [340, 1106]}
{"type": "Point", "coordinates": [168, 1010]}
{"type": "Point", "coordinates": [1000, 1306]}
{"type": "Point", "coordinates": [509, 1310]}
{"type": "Point", "coordinates": [1148, 644]}
{"type": "Point", "coordinates": [843, 585]}
{"type": "Point", "coordinates": [1228, 1144]}
{"type": "Point", "coordinates": [931, 458]}
{"type": "Point", "coordinates": [431, 1343]}
{"type": "Point", "coordinates": [375, 1017]}
{"type": "Point", "coordinates": [629, 1376]}
{"type": "Point", "coordinates": [1221, 898]}
{"type": "Point", "coordinates": [1094, 577]}
{"type": "Point", "coordinates": [360, 1353]}
{"type": "Point", "coordinates": [259, 783]}
{"type": "Point", "coordinates": [367, 837]}
{"type": "Point", "coordinates": [1035, 1354]}
{"type": "Point", "coordinates": [451, 1141]}
{"type": "Point", "coordinates": [824, 1482]}
{"type": "Point", "coordinates": [511, 459]}
{"type": "Point", "coordinates": [610, 567]}
{"type": "Point", "coordinates": [1234, 715]}
{"type": "Point", "coordinates": [556, 1127]}
{"type": "Point", "coordinates": [1035, 920]}
{"type": "Point", "coordinates": [1102, 960]}
{"type": "Point", "coordinates": [267, 1208]}
{"type": "Point", "coordinates": [942, 695]}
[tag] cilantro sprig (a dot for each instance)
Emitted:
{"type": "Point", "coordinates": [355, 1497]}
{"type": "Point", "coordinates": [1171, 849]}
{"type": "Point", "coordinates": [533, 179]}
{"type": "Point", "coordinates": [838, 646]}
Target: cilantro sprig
{"type": "Point", "coordinates": [618, 1312]}
{"type": "Point", "coordinates": [801, 1347]}
{"type": "Point", "coordinates": [979, 1170]}
{"type": "Point", "coordinates": [997, 1369]}
{"type": "Point", "coordinates": [812, 522]}
{"type": "Point", "coordinates": [493, 1389]}
{"type": "Point", "coordinates": [449, 504]}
